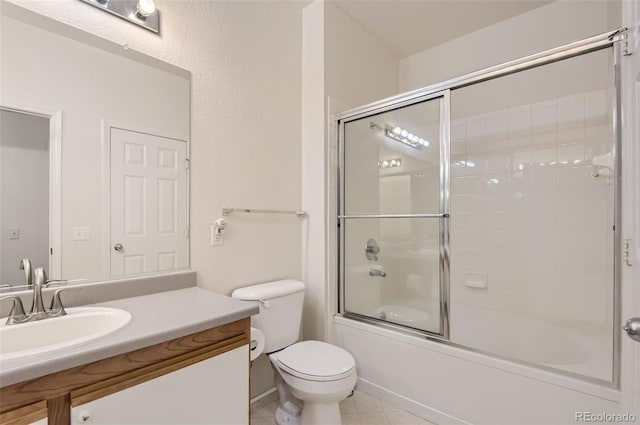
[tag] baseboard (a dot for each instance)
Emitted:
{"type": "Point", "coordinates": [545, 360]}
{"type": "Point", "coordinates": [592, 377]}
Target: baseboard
{"type": "Point", "coordinates": [407, 404]}
{"type": "Point", "coordinates": [262, 395]}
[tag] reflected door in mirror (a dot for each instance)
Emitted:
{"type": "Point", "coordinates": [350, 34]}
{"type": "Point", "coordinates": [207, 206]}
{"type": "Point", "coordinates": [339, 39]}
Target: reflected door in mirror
{"type": "Point", "coordinates": [148, 203]}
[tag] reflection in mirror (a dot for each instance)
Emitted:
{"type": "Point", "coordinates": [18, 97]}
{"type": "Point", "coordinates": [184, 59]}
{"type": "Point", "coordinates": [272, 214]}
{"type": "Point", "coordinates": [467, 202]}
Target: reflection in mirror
{"type": "Point", "coordinates": [24, 195]}
{"type": "Point", "coordinates": [119, 174]}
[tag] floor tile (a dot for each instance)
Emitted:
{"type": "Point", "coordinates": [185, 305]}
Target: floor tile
{"type": "Point", "coordinates": [359, 409]}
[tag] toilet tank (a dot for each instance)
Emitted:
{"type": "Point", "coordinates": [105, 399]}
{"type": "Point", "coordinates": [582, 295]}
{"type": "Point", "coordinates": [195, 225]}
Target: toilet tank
{"type": "Point", "coordinates": [280, 314]}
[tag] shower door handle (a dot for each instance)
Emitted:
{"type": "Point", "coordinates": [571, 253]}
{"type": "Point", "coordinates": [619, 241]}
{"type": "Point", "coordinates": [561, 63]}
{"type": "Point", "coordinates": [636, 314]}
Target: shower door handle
{"type": "Point", "coordinates": [632, 328]}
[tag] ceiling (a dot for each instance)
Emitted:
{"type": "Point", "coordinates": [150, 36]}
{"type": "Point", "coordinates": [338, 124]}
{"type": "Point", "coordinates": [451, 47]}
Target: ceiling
{"type": "Point", "coordinates": [410, 26]}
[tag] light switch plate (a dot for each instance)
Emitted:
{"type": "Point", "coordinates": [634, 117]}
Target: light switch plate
{"type": "Point", "coordinates": [81, 233]}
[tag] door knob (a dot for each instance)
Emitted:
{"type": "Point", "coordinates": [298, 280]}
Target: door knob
{"type": "Point", "coordinates": [118, 247]}
{"type": "Point", "coordinates": [632, 328]}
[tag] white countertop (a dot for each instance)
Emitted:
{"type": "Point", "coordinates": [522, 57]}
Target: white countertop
{"type": "Point", "coordinates": [155, 318]}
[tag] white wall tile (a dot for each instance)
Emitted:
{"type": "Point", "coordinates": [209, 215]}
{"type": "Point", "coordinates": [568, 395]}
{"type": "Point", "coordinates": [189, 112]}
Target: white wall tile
{"type": "Point", "coordinates": [545, 157]}
{"type": "Point", "coordinates": [521, 180]}
{"type": "Point", "coordinates": [458, 131]}
{"type": "Point", "coordinates": [571, 155]}
{"type": "Point", "coordinates": [475, 184]}
{"type": "Point", "coordinates": [497, 182]}
{"type": "Point", "coordinates": [476, 129]}
{"type": "Point", "coordinates": [532, 209]}
{"type": "Point", "coordinates": [545, 178]}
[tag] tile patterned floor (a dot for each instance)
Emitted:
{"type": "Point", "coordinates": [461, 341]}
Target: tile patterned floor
{"type": "Point", "coordinates": [360, 409]}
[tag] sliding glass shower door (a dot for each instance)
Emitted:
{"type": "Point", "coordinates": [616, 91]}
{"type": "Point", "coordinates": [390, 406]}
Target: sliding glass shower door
{"type": "Point", "coordinates": [394, 214]}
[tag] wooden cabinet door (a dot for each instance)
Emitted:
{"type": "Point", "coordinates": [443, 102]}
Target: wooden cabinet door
{"type": "Point", "coordinates": [214, 391]}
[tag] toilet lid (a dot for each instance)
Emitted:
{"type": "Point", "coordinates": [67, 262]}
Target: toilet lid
{"type": "Point", "coordinates": [316, 360]}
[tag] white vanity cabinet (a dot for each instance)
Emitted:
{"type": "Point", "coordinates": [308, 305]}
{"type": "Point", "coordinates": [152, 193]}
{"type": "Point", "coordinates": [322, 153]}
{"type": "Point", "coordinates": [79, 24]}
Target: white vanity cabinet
{"type": "Point", "coordinates": [200, 378]}
{"type": "Point", "coordinates": [213, 391]}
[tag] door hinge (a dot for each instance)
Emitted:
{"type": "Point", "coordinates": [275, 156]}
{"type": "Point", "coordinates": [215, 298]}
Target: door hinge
{"type": "Point", "coordinates": [186, 164]}
{"type": "Point", "coordinates": [627, 247]}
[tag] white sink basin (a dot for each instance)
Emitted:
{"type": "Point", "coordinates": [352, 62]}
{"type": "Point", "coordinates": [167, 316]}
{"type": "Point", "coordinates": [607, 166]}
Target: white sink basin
{"type": "Point", "coordinates": [81, 324]}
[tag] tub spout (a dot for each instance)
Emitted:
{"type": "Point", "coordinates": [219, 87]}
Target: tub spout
{"type": "Point", "coordinates": [377, 273]}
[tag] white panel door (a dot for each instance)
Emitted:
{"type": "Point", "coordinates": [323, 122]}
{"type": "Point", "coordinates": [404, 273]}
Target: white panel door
{"type": "Point", "coordinates": [214, 392]}
{"type": "Point", "coordinates": [148, 203]}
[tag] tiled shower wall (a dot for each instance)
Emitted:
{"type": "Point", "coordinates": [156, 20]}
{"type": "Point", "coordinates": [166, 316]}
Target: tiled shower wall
{"type": "Point", "coordinates": [529, 219]}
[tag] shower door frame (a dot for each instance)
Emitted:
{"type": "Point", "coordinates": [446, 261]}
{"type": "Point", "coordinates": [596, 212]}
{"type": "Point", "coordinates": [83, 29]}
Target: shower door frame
{"type": "Point", "coordinates": [442, 216]}
{"type": "Point", "coordinates": [599, 42]}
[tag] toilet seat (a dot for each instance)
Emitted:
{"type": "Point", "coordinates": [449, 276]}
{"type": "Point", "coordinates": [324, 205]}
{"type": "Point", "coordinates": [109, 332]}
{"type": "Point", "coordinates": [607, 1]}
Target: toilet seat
{"type": "Point", "coordinates": [316, 361]}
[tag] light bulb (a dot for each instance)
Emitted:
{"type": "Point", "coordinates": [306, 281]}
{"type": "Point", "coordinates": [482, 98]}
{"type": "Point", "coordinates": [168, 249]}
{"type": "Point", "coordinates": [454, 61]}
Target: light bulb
{"type": "Point", "coordinates": [144, 8]}
{"type": "Point", "coordinates": [397, 130]}
{"type": "Point", "coordinates": [404, 133]}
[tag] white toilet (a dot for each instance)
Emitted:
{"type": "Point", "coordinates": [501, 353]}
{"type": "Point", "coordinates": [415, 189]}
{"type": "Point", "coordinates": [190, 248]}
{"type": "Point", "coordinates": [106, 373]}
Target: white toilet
{"type": "Point", "coordinates": [312, 377]}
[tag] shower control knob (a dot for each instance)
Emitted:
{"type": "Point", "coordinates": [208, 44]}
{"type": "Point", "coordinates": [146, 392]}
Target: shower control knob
{"type": "Point", "coordinates": [372, 250]}
{"type": "Point", "coordinates": [118, 247]}
{"type": "Point", "coordinates": [632, 328]}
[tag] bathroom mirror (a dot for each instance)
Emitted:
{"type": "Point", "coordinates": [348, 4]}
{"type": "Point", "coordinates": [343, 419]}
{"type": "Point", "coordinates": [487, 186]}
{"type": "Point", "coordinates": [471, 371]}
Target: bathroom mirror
{"type": "Point", "coordinates": [94, 155]}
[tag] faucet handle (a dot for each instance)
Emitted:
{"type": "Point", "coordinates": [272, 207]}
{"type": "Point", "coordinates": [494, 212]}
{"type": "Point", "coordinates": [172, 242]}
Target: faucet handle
{"type": "Point", "coordinates": [62, 282]}
{"type": "Point", "coordinates": [56, 282]}
{"type": "Point", "coordinates": [16, 314]}
{"type": "Point", "coordinates": [56, 308]}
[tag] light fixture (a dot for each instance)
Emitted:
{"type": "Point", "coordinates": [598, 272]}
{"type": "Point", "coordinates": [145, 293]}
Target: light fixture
{"type": "Point", "coordinates": [145, 8]}
{"type": "Point", "coordinates": [140, 12]}
{"type": "Point", "coordinates": [401, 135]}
{"type": "Point", "coordinates": [407, 138]}
{"type": "Point", "coordinates": [464, 164]}
{"type": "Point", "coordinates": [390, 163]}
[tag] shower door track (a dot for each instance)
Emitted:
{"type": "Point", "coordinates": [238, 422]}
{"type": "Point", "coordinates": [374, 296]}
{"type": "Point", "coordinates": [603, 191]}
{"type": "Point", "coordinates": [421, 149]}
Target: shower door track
{"type": "Point", "coordinates": [444, 215]}
{"type": "Point", "coordinates": [442, 89]}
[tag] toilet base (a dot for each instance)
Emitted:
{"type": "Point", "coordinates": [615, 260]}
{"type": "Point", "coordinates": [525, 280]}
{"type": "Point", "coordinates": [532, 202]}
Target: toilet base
{"type": "Point", "coordinates": [284, 418]}
{"type": "Point", "coordinates": [321, 414]}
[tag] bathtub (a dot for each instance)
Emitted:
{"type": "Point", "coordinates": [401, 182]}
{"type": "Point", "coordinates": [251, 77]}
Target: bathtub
{"type": "Point", "coordinates": [446, 383]}
{"type": "Point", "coordinates": [571, 347]}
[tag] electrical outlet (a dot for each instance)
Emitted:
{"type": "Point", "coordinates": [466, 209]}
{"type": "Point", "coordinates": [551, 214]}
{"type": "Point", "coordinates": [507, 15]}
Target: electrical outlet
{"type": "Point", "coordinates": [216, 239]}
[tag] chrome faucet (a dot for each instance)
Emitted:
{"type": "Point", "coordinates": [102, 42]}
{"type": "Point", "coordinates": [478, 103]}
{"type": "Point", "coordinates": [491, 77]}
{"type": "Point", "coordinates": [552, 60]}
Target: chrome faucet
{"type": "Point", "coordinates": [25, 264]}
{"type": "Point", "coordinates": [38, 311]}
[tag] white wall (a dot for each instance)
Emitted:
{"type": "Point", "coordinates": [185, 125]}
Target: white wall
{"type": "Point", "coordinates": [244, 58]}
{"type": "Point", "coordinates": [356, 69]}
{"type": "Point", "coordinates": [540, 29]}
{"type": "Point", "coordinates": [24, 193]}
{"type": "Point", "coordinates": [88, 85]}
